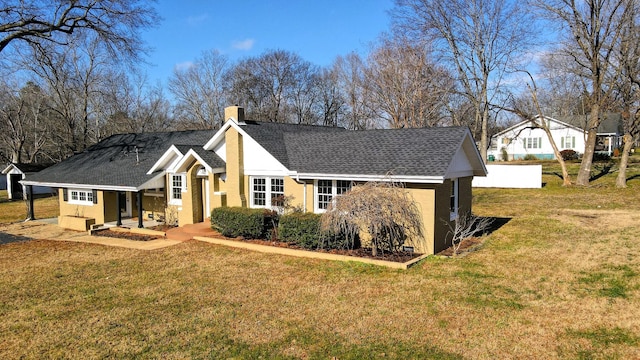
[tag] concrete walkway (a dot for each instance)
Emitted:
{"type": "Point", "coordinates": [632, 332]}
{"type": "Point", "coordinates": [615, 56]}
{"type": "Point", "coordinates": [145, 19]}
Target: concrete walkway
{"type": "Point", "coordinates": [187, 232]}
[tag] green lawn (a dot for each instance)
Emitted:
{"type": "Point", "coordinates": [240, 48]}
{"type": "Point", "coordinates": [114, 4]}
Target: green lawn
{"type": "Point", "coordinates": [561, 279]}
{"type": "Point", "coordinates": [13, 211]}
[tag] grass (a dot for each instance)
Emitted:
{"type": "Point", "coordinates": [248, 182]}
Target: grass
{"type": "Point", "coordinates": [559, 280]}
{"type": "Point", "coordinates": [13, 211]}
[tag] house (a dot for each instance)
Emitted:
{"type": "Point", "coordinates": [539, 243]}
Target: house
{"type": "Point", "coordinates": [528, 138]}
{"type": "Point", "coordinates": [181, 176]}
{"type": "Point", "coordinates": [15, 173]}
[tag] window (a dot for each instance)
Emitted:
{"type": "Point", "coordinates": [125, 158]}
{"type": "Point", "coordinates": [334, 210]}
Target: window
{"type": "Point", "coordinates": [568, 142]}
{"type": "Point", "coordinates": [326, 190]}
{"type": "Point", "coordinates": [81, 197]}
{"type": "Point", "coordinates": [453, 199]}
{"type": "Point", "coordinates": [266, 191]}
{"type": "Point", "coordinates": [178, 186]}
{"type": "Point", "coordinates": [532, 143]}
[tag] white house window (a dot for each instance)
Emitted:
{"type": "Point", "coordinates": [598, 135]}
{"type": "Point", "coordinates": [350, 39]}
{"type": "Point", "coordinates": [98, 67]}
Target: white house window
{"type": "Point", "coordinates": [178, 186]}
{"type": "Point", "coordinates": [327, 190]}
{"type": "Point", "coordinates": [453, 199]}
{"type": "Point", "coordinates": [568, 142]}
{"type": "Point", "coordinates": [266, 191]}
{"type": "Point", "coordinates": [532, 143]}
{"type": "Point", "coordinates": [81, 197]}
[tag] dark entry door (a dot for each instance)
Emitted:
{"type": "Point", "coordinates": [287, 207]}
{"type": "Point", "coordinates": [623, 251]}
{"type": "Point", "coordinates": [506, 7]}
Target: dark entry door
{"type": "Point", "coordinates": [16, 188]}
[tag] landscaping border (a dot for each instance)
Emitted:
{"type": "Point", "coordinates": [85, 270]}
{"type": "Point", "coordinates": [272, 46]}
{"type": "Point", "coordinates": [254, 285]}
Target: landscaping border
{"type": "Point", "coordinates": [307, 254]}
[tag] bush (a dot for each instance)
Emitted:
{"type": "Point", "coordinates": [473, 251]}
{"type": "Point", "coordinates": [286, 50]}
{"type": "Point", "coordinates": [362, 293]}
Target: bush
{"type": "Point", "coordinates": [568, 154]}
{"type": "Point", "coordinates": [300, 228]}
{"type": "Point", "coordinates": [304, 229]}
{"type": "Point", "coordinates": [530, 157]}
{"type": "Point", "coordinates": [239, 221]}
{"type": "Point", "coordinates": [597, 156]}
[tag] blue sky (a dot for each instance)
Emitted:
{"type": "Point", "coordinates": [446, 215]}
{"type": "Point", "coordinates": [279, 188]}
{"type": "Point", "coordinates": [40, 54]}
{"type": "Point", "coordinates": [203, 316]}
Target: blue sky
{"type": "Point", "coordinates": [317, 30]}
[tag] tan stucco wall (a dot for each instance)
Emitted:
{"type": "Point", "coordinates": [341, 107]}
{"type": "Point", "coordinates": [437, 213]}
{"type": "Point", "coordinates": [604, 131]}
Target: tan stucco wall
{"type": "Point", "coordinates": [111, 209]}
{"type": "Point", "coordinates": [154, 206]}
{"type": "Point", "coordinates": [95, 211]}
{"type": "Point", "coordinates": [425, 199]}
{"type": "Point", "coordinates": [236, 183]}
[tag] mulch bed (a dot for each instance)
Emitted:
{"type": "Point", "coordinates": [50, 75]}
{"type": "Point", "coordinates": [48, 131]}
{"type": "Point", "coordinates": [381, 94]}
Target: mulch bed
{"type": "Point", "coordinates": [125, 235]}
{"type": "Point", "coordinates": [401, 257]}
{"type": "Point", "coordinates": [468, 245]}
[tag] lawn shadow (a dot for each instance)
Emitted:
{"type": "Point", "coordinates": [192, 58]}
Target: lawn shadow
{"type": "Point", "coordinates": [637, 176]}
{"type": "Point", "coordinates": [9, 238]}
{"type": "Point", "coordinates": [495, 223]}
{"type": "Point", "coordinates": [606, 169]}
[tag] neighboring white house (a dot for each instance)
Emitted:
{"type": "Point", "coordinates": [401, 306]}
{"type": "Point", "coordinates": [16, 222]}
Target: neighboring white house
{"type": "Point", "coordinates": [528, 138]}
{"type": "Point", "coordinates": [17, 172]}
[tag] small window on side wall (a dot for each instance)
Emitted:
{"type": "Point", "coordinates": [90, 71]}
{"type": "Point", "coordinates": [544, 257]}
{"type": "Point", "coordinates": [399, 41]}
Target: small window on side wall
{"type": "Point", "coordinates": [453, 200]}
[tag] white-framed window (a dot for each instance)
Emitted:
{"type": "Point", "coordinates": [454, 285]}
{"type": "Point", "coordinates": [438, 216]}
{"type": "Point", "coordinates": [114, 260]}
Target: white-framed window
{"type": "Point", "coordinates": [532, 143]}
{"type": "Point", "coordinates": [453, 200]}
{"type": "Point", "coordinates": [177, 186]}
{"type": "Point", "coordinates": [327, 190]}
{"type": "Point", "coordinates": [266, 191]}
{"type": "Point", "coordinates": [568, 142]}
{"type": "Point", "coordinates": [81, 197]}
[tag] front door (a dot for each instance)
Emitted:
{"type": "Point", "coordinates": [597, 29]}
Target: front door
{"type": "Point", "coordinates": [125, 204]}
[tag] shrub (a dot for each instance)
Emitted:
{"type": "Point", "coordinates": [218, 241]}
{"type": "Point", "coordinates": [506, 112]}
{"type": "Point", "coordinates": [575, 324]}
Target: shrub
{"type": "Point", "coordinates": [530, 157]}
{"type": "Point", "coordinates": [304, 229]}
{"type": "Point", "coordinates": [300, 228]}
{"type": "Point", "coordinates": [568, 154]}
{"type": "Point", "coordinates": [504, 154]}
{"type": "Point", "coordinates": [597, 156]}
{"type": "Point", "coordinates": [239, 221]}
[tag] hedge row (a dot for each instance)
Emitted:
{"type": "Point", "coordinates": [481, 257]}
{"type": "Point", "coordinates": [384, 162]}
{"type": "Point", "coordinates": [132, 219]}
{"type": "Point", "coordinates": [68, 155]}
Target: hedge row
{"type": "Point", "coordinates": [302, 229]}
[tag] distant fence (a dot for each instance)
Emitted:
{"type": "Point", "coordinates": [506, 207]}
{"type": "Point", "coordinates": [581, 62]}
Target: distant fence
{"type": "Point", "coordinates": [510, 176]}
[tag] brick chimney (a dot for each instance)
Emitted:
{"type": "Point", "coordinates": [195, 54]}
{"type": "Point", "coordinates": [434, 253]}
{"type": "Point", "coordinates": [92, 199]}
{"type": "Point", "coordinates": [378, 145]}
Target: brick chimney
{"type": "Point", "coordinates": [234, 113]}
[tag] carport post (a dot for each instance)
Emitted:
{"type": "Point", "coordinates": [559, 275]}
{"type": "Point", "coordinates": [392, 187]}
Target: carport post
{"type": "Point", "coordinates": [118, 212]}
{"type": "Point", "coordinates": [30, 212]}
{"type": "Point", "coordinates": [139, 198]}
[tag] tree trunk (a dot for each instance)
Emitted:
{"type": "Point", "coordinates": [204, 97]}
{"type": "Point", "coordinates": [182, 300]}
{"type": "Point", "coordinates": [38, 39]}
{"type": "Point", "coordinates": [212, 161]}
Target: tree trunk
{"type": "Point", "coordinates": [584, 175]}
{"type": "Point", "coordinates": [621, 180]}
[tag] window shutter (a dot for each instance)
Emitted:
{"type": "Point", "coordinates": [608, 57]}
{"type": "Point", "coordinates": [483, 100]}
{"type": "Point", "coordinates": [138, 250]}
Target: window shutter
{"type": "Point", "coordinates": [562, 142]}
{"type": "Point", "coordinates": [95, 196]}
{"type": "Point", "coordinates": [573, 142]}
{"type": "Point", "coordinates": [539, 143]}
{"type": "Point", "coordinates": [65, 194]}
{"type": "Point", "coordinates": [524, 143]}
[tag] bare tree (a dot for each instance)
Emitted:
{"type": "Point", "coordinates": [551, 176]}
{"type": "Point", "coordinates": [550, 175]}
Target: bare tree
{"type": "Point", "coordinates": [594, 27]}
{"type": "Point", "coordinates": [628, 89]}
{"type": "Point", "coordinates": [199, 90]}
{"type": "Point", "coordinates": [352, 80]}
{"type": "Point", "coordinates": [464, 227]}
{"type": "Point", "coordinates": [384, 210]}
{"type": "Point", "coordinates": [405, 86]}
{"type": "Point", "coordinates": [116, 23]}
{"type": "Point", "coordinates": [331, 103]}
{"type": "Point", "coordinates": [479, 38]}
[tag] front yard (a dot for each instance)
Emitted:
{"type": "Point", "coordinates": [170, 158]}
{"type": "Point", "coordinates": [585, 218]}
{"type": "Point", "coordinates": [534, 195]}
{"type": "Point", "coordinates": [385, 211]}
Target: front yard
{"type": "Point", "coordinates": [561, 279]}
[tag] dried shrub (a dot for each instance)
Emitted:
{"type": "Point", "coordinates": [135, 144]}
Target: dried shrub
{"type": "Point", "coordinates": [568, 154]}
{"type": "Point", "coordinates": [383, 210]}
{"type": "Point", "coordinates": [530, 157]}
{"type": "Point", "coordinates": [466, 226]}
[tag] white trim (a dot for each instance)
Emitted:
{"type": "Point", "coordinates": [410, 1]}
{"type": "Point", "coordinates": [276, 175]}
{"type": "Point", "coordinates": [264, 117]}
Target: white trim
{"type": "Point", "coordinates": [164, 158]}
{"type": "Point", "coordinates": [183, 160]}
{"type": "Point", "coordinates": [79, 193]}
{"type": "Point", "coordinates": [365, 178]}
{"type": "Point", "coordinates": [456, 198]}
{"type": "Point", "coordinates": [268, 195]}
{"type": "Point", "coordinates": [81, 186]}
{"type": "Point", "coordinates": [334, 193]}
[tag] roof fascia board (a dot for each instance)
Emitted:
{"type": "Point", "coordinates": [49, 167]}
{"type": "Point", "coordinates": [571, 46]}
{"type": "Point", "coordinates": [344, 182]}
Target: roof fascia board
{"type": "Point", "coordinates": [468, 146]}
{"type": "Point", "coordinates": [171, 150]}
{"type": "Point", "coordinates": [362, 177]}
{"type": "Point", "coordinates": [219, 135]}
{"type": "Point", "coordinates": [195, 155]}
{"type": "Point", "coordinates": [80, 186]}
{"type": "Point", "coordinates": [8, 168]}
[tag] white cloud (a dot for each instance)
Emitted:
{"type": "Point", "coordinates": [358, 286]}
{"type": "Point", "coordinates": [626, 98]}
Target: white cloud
{"type": "Point", "coordinates": [186, 65]}
{"type": "Point", "coordinates": [244, 44]}
{"type": "Point", "coordinates": [197, 19]}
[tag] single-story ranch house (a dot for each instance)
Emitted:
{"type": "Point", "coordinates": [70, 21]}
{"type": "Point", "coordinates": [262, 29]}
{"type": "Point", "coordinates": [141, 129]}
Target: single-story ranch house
{"type": "Point", "coordinates": [526, 138]}
{"type": "Point", "coordinates": [180, 177]}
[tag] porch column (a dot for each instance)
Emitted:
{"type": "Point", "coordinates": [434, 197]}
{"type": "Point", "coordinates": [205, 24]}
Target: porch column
{"type": "Point", "coordinates": [139, 198]}
{"type": "Point", "coordinates": [30, 212]}
{"type": "Point", "coordinates": [118, 212]}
